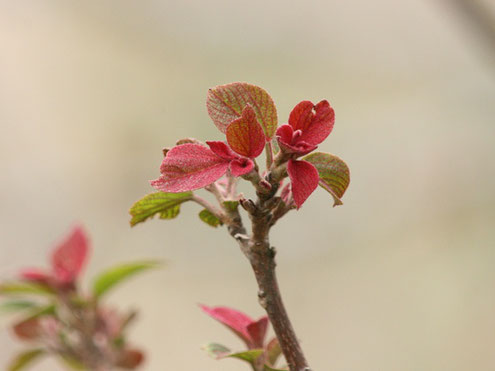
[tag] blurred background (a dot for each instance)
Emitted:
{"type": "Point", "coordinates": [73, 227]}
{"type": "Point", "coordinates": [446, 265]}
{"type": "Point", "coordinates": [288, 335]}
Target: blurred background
{"type": "Point", "coordinates": [401, 277]}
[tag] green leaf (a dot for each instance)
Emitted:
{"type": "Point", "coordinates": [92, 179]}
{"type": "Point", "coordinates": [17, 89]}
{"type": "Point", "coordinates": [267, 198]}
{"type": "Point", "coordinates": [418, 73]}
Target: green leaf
{"type": "Point", "coordinates": [209, 218]}
{"type": "Point", "coordinates": [17, 306]}
{"type": "Point", "coordinates": [249, 356]}
{"type": "Point", "coordinates": [231, 205]}
{"type": "Point", "coordinates": [24, 359]}
{"type": "Point", "coordinates": [167, 205]}
{"type": "Point", "coordinates": [217, 351]}
{"type": "Point", "coordinates": [23, 288]}
{"type": "Point", "coordinates": [334, 174]}
{"type": "Point", "coordinates": [225, 103]}
{"type": "Point", "coordinates": [111, 277]}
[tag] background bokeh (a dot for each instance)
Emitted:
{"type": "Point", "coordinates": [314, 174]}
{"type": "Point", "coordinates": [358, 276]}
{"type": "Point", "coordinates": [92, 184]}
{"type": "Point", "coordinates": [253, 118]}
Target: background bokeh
{"type": "Point", "coordinates": [399, 278]}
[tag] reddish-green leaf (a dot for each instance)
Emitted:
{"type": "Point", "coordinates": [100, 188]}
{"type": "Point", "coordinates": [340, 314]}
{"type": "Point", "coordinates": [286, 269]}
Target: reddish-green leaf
{"type": "Point", "coordinates": [245, 135]}
{"type": "Point", "coordinates": [225, 104]}
{"type": "Point", "coordinates": [167, 205]}
{"type": "Point", "coordinates": [273, 351]}
{"type": "Point", "coordinates": [333, 172]}
{"type": "Point", "coordinates": [25, 359]}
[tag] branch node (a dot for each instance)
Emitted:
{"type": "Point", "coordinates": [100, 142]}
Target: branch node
{"type": "Point", "coordinates": [262, 298]}
{"type": "Point", "coordinates": [248, 205]}
{"type": "Point", "coordinates": [241, 237]}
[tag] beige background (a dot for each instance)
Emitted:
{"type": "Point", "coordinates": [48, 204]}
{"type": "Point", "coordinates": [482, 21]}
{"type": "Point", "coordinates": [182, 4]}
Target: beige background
{"type": "Point", "coordinates": [399, 278]}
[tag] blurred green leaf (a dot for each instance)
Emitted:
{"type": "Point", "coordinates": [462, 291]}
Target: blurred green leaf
{"type": "Point", "coordinates": [72, 363]}
{"type": "Point", "coordinates": [111, 277]}
{"type": "Point", "coordinates": [334, 174]}
{"type": "Point", "coordinates": [217, 351]}
{"type": "Point", "coordinates": [22, 288]}
{"type": "Point", "coordinates": [25, 359]}
{"type": "Point", "coordinates": [47, 310]}
{"type": "Point", "coordinates": [209, 218]}
{"type": "Point", "coordinates": [167, 205]}
{"type": "Point", "coordinates": [17, 306]}
{"type": "Point", "coordinates": [231, 205]}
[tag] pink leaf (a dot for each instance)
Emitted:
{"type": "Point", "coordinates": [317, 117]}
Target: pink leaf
{"type": "Point", "coordinates": [222, 150]}
{"type": "Point", "coordinates": [188, 167]}
{"type": "Point", "coordinates": [69, 257]}
{"type": "Point", "coordinates": [304, 179]}
{"type": "Point", "coordinates": [257, 331]}
{"type": "Point", "coordinates": [315, 122]}
{"type": "Point", "coordinates": [241, 166]}
{"type": "Point", "coordinates": [233, 319]}
{"type": "Point", "coordinates": [245, 135]}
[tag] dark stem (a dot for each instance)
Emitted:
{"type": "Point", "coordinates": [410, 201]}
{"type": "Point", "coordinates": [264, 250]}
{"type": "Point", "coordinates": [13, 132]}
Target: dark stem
{"type": "Point", "coordinates": [257, 249]}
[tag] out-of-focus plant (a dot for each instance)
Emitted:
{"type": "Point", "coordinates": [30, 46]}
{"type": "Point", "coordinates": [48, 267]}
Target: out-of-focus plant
{"type": "Point", "coordinates": [247, 115]}
{"type": "Point", "coordinates": [55, 317]}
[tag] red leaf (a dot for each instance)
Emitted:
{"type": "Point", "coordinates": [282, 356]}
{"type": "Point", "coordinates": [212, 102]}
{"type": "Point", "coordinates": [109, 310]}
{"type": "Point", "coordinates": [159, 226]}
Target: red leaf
{"type": "Point", "coordinates": [233, 319]}
{"type": "Point", "coordinates": [241, 166]}
{"type": "Point", "coordinates": [188, 167]}
{"type": "Point", "coordinates": [245, 135]}
{"type": "Point", "coordinates": [129, 359]}
{"type": "Point", "coordinates": [304, 180]}
{"type": "Point", "coordinates": [69, 257]}
{"type": "Point", "coordinates": [35, 275]}
{"type": "Point", "coordinates": [257, 331]}
{"type": "Point", "coordinates": [28, 329]}
{"type": "Point", "coordinates": [290, 141]}
{"type": "Point", "coordinates": [315, 122]}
